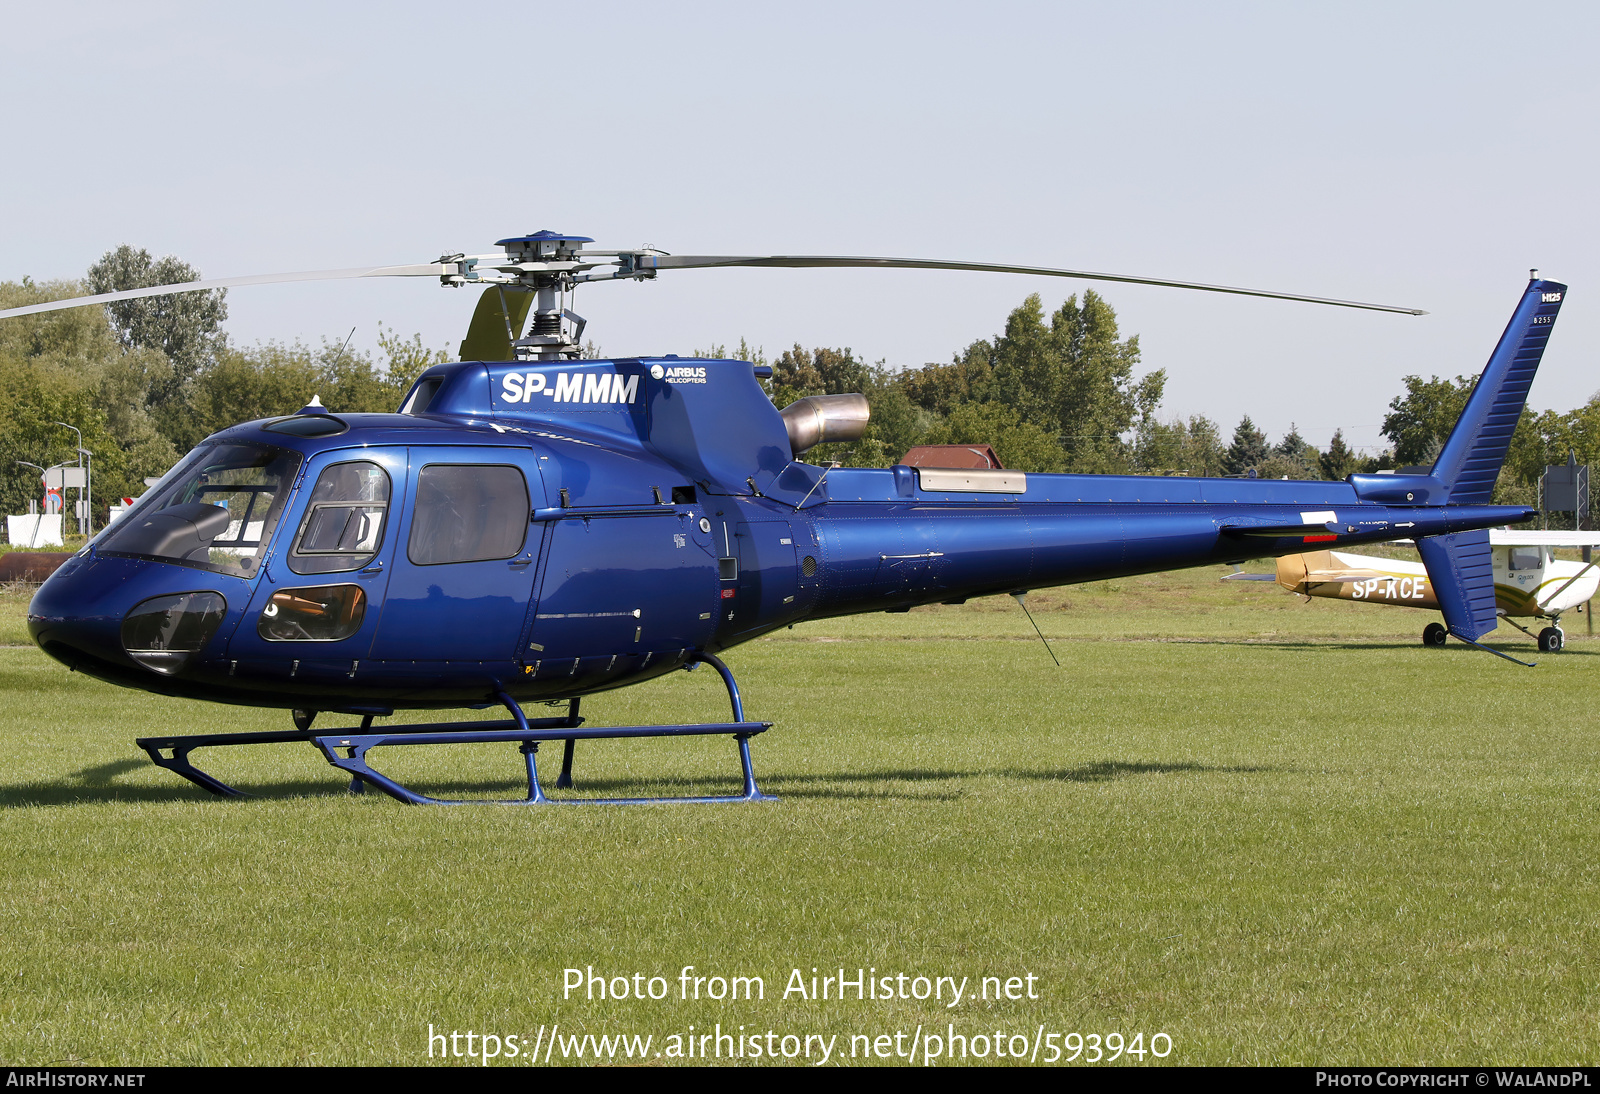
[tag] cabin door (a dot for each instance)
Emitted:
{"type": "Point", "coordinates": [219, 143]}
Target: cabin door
{"type": "Point", "coordinates": [315, 610]}
{"type": "Point", "coordinates": [465, 557]}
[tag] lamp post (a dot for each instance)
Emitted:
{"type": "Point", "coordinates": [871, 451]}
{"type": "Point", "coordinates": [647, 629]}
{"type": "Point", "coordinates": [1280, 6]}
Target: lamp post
{"type": "Point", "coordinates": [87, 522]}
{"type": "Point", "coordinates": [79, 432]}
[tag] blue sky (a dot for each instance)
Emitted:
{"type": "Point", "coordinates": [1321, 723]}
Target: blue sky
{"type": "Point", "coordinates": [1416, 154]}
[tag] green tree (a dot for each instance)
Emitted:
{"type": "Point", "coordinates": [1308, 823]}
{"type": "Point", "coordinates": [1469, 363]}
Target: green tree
{"type": "Point", "coordinates": [76, 338]}
{"type": "Point", "coordinates": [1020, 445]}
{"type": "Point", "coordinates": [75, 366]}
{"type": "Point", "coordinates": [1291, 458]}
{"type": "Point", "coordinates": [272, 378]}
{"type": "Point", "coordinates": [1248, 450]}
{"type": "Point", "coordinates": [799, 372]}
{"type": "Point", "coordinates": [897, 424]}
{"type": "Point", "coordinates": [67, 366]}
{"type": "Point", "coordinates": [1419, 422]}
{"type": "Point", "coordinates": [1074, 376]}
{"type": "Point", "coordinates": [34, 395]}
{"type": "Point", "coordinates": [1338, 461]}
{"type": "Point", "coordinates": [1577, 431]}
{"type": "Point", "coordinates": [941, 388]}
{"type": "Point", "coordinates": [186, 327]}
{"type": "Point", "coordinates": [1192, 447]}
{"type": "Point", "coordinates": [126, 381]}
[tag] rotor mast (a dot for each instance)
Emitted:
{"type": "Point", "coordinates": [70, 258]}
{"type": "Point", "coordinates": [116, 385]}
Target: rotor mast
{"type": "Point", "coordinates": [545, 262]}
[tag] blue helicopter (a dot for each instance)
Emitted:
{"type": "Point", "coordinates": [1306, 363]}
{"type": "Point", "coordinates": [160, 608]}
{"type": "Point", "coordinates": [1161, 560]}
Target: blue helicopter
{"type": "Point", "coordinates": [534, 527]}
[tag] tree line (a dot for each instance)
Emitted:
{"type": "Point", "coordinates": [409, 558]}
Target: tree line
{"type": "Point", "coordinates": [1060, 393]}
{"type": "Point", "coordinates": [145, 380]}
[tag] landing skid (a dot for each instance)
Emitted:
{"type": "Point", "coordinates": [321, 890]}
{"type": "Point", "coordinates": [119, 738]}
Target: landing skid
{"type": "Point", "coordinates": [172, 753]}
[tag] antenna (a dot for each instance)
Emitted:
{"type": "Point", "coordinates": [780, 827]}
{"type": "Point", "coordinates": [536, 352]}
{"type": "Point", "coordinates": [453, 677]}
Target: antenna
{"type": "Point", "coordinates": [340, 355]}
{"type": "Point", "coordinates": [1022, 603]}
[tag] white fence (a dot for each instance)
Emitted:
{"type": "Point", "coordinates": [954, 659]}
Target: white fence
{"type": "Point", "coordinates": [35, 530]}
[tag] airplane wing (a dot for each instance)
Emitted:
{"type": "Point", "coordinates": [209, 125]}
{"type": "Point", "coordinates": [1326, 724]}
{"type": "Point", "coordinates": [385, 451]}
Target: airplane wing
{"type": "Point", "coordinates": [1533, 537]}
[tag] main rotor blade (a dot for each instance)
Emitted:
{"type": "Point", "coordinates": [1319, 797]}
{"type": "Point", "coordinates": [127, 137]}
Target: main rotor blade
{"type": "Point", "coordinates": [693, 262]}
{"type": "Point", "coordinates": [431, 269]}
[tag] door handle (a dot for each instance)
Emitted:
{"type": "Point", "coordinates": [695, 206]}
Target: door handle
{"type": "Point", "coordinates": [520, 562]}
{"type": "Point", "coordinates": [375, 568]}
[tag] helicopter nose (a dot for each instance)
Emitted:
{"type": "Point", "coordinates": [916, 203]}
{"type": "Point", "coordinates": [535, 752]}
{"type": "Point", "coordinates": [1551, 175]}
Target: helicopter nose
{"type": "Point", "coordinates": [110, 625]}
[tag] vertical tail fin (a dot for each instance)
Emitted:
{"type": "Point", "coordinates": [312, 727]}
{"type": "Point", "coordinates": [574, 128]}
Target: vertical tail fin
{"type": "Point", "coordinates": [1461, 571]}
{"type": "Point", "coordinates": [1471, 459]}
{"type": "Point", "coordinates": [1460, 566]}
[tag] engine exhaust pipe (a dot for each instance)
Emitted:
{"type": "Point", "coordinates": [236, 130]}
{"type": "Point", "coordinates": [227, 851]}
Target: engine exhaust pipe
{"type": "Point", "coordinates": [818, 418]}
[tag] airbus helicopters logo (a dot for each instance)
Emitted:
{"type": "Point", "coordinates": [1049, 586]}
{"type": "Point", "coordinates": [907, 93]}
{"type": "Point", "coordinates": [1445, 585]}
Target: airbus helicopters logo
{"type": "Point", "coordinates": [679, 374]}
{"type": "Point", "coordinates": [570, 387]}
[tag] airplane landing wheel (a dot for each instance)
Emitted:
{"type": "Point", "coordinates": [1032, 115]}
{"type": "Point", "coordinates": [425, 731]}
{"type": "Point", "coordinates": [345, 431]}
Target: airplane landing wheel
{"type": "Point", "coordinates": [303, 719]}
{"type": "Point", "coordinates": [1434, 634]}
{"type": "Point", "coordinates": [1550, 640]}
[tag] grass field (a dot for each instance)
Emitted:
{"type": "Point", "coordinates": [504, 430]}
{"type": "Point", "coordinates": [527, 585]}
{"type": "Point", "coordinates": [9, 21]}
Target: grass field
{"type": "Point", "coordinates": [1273, 831]}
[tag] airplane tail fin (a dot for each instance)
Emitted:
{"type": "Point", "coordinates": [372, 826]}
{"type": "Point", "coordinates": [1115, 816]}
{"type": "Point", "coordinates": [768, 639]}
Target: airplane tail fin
{"type": "Point", "coordinates": [1460, 566]}
{"type": "Point", "coordinates": [1471, 459]}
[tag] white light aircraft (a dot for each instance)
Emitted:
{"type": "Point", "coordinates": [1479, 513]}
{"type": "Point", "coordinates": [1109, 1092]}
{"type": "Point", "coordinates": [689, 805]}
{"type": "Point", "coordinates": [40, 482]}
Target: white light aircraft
{"type": "Point", "coordinates": [1529, 581]}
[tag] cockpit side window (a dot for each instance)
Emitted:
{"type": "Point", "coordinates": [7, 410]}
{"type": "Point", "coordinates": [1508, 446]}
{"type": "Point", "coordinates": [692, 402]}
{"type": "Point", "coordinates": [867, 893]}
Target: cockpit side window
{"type": "Point", "coordinates": [343, 525]}
{"type": "Point", "coordinates": [468, 513]}
{"type": "Point", "coordinates": [1526, 558]}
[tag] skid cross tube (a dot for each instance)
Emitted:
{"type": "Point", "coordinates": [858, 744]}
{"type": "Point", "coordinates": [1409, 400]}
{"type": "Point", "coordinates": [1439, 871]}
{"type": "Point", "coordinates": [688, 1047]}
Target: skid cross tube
{"type": "Point", "coordinates": [347, 749]}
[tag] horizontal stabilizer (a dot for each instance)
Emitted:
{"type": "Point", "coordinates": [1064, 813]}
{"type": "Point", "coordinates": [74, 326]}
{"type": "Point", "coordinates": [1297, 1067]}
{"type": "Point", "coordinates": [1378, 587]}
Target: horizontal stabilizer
{"type": "Point", "coordinates": [1344, 576]}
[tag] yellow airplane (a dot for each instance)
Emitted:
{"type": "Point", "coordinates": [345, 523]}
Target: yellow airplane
{"type": "Point", "coordinates": [1529, 581]}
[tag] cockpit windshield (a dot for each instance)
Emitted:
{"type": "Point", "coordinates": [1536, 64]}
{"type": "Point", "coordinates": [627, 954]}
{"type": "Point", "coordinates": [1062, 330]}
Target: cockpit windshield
{"type": "Point", "coordinates": [215, 510]}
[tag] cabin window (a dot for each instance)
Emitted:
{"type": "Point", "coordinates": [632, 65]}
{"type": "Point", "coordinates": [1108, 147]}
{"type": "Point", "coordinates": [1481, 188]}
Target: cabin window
{"type": "Point", "coordinates": [468, 513]}
{"type": "Point", "coordinates": [343, 527]}
{"type": "Point", "coordinates": [1526, 558]}
{"type": "Point", "coordinates": [323, 613]}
